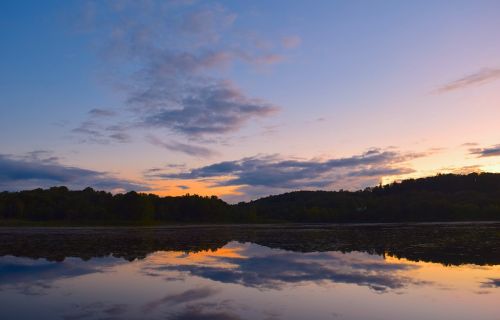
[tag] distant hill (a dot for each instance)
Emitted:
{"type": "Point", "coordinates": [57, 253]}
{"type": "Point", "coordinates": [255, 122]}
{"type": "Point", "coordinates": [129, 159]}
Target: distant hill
{"type": "Point", "coordinates": [445, 197]}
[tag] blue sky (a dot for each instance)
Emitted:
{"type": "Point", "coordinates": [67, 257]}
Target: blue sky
{"type": "Point", "coordinates": [150, 95]}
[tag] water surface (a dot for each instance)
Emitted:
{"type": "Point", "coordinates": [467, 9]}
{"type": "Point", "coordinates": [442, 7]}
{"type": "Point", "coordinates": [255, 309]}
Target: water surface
{"type": "Point", "coordinates": [252, 272]}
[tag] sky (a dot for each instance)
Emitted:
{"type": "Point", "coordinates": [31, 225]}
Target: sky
{"type": "Point", "coordinates": [243, 99]}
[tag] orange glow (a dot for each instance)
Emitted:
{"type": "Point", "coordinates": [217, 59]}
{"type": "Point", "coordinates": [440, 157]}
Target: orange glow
{"type": "Point", "coordinates": [202, 188]}
{"type": "Point", "coordinates": [206, 257]}
{"type": "Point", "coordinates": [464, 276]}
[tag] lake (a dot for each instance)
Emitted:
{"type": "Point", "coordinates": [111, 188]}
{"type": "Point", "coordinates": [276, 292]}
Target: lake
{"type": "Point", "coordinates": [400, 271]}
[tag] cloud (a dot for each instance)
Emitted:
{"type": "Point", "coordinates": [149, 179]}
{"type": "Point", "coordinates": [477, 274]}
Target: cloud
{"type": "Point", "coordinates": [491, 283]}
{"type": "Point", "coordinates": [492, 151]}
{"type": "Point", "coordinates": [273, 173]}
{"type": "Point", "coordinates": [475, 79]}
{"type": "Point", "coordinates": [19, 173]}
{"type": "Point", "coordinates": [469, 144]}
{"type": "Point", "coordinates": [45, 156]}
{"type": "Point", "coordinates": [34, 277]}
{"type": "Point", "coordinates": [188, 149]}
{"type": "Point", "coordinates": [266, 59]}
{"type": "Point", "coordinates": [212, 108]}
{"type": "Point", "coordinates": [291, 42]}
{"type": "Point", "coordinates": [376, 172]}
{"type": "Point", "coordinates": [88, 128]}
{"type": "Point", "coordinates": [207, 22]}
{"type": "Point", "coordinates": [169, 60]}
{"type": "Point", "coordinates": [101, 113]}
{"type": "Point", "coordinates": [95, 131]}
{"type": "Point", "coordinates": [120, 137]}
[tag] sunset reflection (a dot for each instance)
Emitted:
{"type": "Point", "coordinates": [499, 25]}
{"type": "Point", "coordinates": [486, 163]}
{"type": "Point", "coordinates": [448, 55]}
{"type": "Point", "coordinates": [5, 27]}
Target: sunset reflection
{"type": "Point", "coordinates": [213, 258]}
{"type": "Point", "coordinates": [208, 277]}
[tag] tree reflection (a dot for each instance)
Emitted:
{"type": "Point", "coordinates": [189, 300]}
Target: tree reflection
{"type": "Point", "coordinates": [451, 244]}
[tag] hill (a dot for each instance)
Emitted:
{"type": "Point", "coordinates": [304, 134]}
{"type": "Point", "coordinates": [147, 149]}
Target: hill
{"type": "Point", "coordinates": [449, 197]}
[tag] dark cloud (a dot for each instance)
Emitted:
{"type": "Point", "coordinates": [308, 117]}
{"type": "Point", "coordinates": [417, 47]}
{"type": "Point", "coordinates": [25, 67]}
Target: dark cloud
{"type": "Point", "coordinates": [189, 149]}
{"type": "Point", "coordinates": [18, 173]}
{"type": "Point", "coordinates": [491, 283]}
{"type": "Point", "coordinates": [212, 108]}
{"type": "Point", "coordinates": [492, 151]}
{"type": "Point", "coordinates": [275, 172]}
{"type": "Point", "coordinates": [475, 79]}
{"type": "Point", "coordinates": [260, 175]}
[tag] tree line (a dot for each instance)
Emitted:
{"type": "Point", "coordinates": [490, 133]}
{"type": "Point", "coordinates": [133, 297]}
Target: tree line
{"type": "Point", "coordinates": [445, 197]}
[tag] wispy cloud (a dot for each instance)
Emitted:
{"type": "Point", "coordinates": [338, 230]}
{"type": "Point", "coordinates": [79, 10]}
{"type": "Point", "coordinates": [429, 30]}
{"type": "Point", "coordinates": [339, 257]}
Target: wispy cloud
{"type": "Point", "coordinates": [492, 151]}
{"type": "Point", "coordinates": [180, 298]}
{"type": "Point", "coordinates": [475, 79]}
{"type": "Point", "coordinates": [378, 172]}
{"type": "Point", "coordinates": [19, 173]}
{"type": "Point", "coordinates": [95, 131]}
{"type": "Point", "coordinates": [291, 42]}
{"type": "Point", "coordinates": [189, 149]}
{"type": "Point", "coordinates": [170, 61]}
{"type": "Point", "coordinates": [101, 113]}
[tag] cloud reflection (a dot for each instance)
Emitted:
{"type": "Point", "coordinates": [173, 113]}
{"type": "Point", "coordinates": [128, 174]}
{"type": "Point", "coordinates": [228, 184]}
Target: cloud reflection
{"type": "Point", "coordinates": [35, 277]}
{"type": "Point", "coordinates": [264, 268]}
{"type": "Point", "coordinates": [183, 297]}
{"type": "Point", "coordinates": [491, 283]}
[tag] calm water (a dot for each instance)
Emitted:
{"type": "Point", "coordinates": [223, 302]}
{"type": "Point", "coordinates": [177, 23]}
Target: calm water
{"type": "Point", "coordinates": [236, 272]}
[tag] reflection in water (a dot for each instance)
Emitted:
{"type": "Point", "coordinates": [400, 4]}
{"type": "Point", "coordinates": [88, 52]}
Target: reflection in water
{"type": "Point", "coordinates": [236, 273]}
{"type": "Point", "coordinates": [264, 268]}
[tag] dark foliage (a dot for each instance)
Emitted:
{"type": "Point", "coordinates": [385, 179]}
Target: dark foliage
{"type": "Point", "coordinates": [61, 204]}
{"type": "Point", "coordinates": [440, 198]}
{"type": "Point", "coordinates": [449, 244]}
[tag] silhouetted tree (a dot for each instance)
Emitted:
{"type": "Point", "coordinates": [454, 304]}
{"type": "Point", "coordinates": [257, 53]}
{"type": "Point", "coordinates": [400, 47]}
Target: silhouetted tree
{"type": "Point", "coordinates": [440, 198]}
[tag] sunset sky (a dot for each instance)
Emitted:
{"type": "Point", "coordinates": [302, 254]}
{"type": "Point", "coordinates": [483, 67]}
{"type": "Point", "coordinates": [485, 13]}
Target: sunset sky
{"type": "Point", "coordinates": [243, 99]}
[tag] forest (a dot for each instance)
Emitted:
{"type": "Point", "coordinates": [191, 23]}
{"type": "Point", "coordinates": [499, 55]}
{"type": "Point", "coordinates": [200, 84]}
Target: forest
{"type": "Point", "coordinates": [444, 197]}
